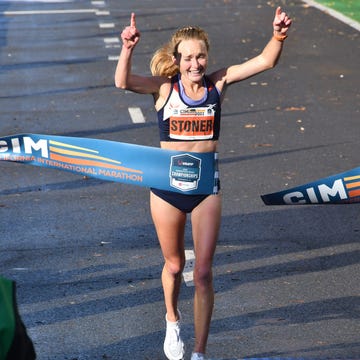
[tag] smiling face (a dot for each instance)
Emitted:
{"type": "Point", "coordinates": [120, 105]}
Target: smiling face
{"type": "Point", "coordinates": [192, 59]}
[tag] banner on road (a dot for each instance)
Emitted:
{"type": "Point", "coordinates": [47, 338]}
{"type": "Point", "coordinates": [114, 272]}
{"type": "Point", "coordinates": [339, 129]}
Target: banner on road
{"type": "Point", "coordinates": [183, 172]}
{"type": "Point", "coordinates": [342, 188]}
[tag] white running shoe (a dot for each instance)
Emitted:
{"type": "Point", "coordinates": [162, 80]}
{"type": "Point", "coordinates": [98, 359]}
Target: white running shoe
{"type": "Point", "coordinates": [197, 356]}
{"type": "Point", "coordinates": [174, 348]}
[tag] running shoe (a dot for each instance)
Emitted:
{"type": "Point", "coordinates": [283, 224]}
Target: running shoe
{"type": "Point", "coordinates": [197, 356]}
{"type": "Point", "coordinates": [174, 348]}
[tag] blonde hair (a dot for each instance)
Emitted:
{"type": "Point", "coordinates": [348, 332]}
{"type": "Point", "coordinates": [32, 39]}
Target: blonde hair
{"type": "Point", "coordinates": [162, 63]}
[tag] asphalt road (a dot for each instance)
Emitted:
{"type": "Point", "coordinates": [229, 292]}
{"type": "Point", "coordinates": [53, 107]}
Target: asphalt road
{"type": "Point", "coordinates": [84, 252]}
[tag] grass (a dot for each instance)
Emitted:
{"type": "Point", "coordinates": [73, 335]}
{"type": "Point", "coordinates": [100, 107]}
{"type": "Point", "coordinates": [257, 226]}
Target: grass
{"type": "Point", "coordinates": [350, 8]}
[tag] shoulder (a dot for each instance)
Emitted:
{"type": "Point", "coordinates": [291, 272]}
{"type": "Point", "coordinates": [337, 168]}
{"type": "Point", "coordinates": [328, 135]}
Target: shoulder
{"type": "Point", "coordinates": [165, 87]}
{"type": "Point", "coordinates": [218, 78]}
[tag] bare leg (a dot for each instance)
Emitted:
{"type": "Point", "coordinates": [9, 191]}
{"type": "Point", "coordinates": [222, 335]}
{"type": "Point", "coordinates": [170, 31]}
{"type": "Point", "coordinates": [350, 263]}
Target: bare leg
{"type": "Point", "coordinates": [205, 225]}
{"type": "Point", "coordinates": [170, 224]}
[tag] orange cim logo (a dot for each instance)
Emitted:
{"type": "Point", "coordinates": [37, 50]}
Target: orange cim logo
{"type": "Point", "coordinates": [75, 155]}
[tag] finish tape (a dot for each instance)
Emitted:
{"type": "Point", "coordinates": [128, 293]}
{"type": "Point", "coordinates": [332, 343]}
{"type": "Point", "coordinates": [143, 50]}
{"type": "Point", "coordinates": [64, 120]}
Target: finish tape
{"type": "Point", "coordinates": [183, 172]}
{"type": "Point", "coordinates": [342, 188]}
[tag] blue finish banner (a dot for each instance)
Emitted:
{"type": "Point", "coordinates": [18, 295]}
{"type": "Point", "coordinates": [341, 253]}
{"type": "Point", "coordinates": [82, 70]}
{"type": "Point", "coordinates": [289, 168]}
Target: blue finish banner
{"type": "Point", "coordinates": [183, 172]}
{"type": "Point", "coordinates": [342, 188]}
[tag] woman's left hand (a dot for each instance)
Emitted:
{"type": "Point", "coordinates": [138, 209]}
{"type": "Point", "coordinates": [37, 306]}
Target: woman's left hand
{"type": "Point", "coordinates": [281, 22]}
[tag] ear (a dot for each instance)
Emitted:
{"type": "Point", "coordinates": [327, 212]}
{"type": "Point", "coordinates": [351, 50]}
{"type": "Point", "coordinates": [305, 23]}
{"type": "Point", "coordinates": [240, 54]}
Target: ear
{"type": "Point", "coordinates": [175, 60]}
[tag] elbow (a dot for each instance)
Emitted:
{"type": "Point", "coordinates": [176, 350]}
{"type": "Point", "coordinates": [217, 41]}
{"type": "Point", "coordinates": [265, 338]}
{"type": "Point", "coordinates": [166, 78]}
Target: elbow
{"type": "Point", "coordinates": [121, 79]}
{"type": "Point", "coordinates": [269, 64]}
{"type": "Point", "coordinates": [120, 84]}
{"type": "Point", "coordinates": [269, 59]}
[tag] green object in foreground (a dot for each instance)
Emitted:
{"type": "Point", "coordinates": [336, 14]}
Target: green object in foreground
{"type": "Point", "coordinates": [7, 317]}
{"type": "Point", "coordinates": [15, 343]}
{"type": "Point", "coordinates": [349, 8]}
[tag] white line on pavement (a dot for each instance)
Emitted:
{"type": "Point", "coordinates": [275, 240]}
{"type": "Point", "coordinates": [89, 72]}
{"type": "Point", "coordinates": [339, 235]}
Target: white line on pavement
{"type": "Point", "coordinates": [48, 12]}
{"type": "Point", "coordinates": [136, 115]}
{"type": "Point", "coordinates": [112, 40]}
{"type": "Point", "coordinates": [102, 12]}
{"type": "Point", "coordinates": [45, 1]}
{"type": "Point", "coordinates": [106, 25]}
{"type": "Point", "coordinates": [188, 273]}
{"type": "Point", "coordinates": [113, 46]}
{"type": "Point", "coordinates": [113, 57]}
{"type": "Point", "coordinates": [98, 3]}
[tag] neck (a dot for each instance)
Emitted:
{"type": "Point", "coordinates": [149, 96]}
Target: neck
{"type": "Point", "coordinates": [194, 90]}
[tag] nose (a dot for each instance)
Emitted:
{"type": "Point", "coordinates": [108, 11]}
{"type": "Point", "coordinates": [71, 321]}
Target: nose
{"type": "Point", "coordinates": [194, 63]}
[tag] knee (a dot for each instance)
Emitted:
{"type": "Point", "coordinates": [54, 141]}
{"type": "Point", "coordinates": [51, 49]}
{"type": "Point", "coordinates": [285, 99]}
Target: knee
{"type": "Point", "coordinates": [175, 267]}
{"type": "Point", "coordinates": [203, 277]}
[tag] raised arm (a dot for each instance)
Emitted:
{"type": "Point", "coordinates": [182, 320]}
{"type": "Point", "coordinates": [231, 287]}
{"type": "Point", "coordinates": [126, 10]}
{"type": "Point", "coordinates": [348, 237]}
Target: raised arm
{"type": "Point", "coordinates": [264, 61]}
{"type": "Point", "coordinates": [124, 78]}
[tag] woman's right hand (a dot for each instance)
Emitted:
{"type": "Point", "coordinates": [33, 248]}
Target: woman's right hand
{"type": "Point", "coordinates": [130, 35]}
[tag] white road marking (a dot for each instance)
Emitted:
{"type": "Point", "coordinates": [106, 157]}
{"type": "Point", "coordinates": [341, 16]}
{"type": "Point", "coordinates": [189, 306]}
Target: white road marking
{"type": "Point", "coordinates": [46, 1]}
{"type": "Point", "coordinates": [334, 13]}
{"type": "Point", "coordinates": [106, 25]}
{"type": "Point", "coordinates": [113, 57]}
{"type": "Point", "coordinates": [112, 40]}
{"type": "Point", "coordinates": [188, 273]}
{"type": "Point", "coordinates": [112, 43]}
{"type": "Point", "coordinates": [102, 12]}
{"type": "Point", "coordinates": [112, 46]}
{"type": "Point", "coordinates": [48, 12]}
{"type": "Point", "coordinates": [98, 3]}
{"type": "Point", "coordinates": [136, 115]}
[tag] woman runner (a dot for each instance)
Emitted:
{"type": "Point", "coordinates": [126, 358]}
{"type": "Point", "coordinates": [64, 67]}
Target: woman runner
{"type": "Point", "coordinates": [188, 105]}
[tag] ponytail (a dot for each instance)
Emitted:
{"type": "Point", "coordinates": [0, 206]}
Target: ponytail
{"type": "Point", "coordinates": [162, 62]}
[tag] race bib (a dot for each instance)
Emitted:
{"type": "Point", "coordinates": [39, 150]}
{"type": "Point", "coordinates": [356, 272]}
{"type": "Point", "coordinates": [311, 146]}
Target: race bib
{"type": "Point", "coordinates": [192, 123]}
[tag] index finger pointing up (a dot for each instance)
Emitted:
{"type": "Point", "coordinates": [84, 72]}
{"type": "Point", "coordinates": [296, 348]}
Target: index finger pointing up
{"type": "Point", "coordinates": [132, 20]}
